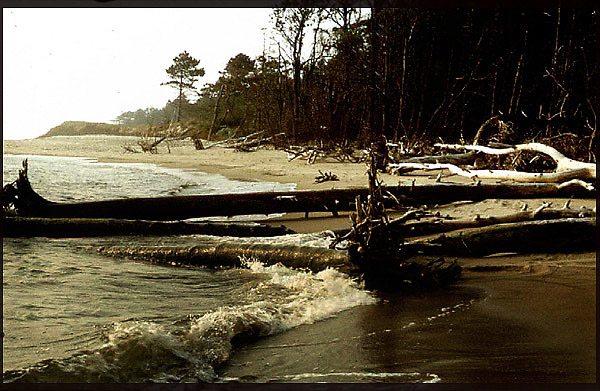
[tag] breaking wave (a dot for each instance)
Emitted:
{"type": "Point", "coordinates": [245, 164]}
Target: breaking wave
{"type": "Point", "coordinates": [191, 348]}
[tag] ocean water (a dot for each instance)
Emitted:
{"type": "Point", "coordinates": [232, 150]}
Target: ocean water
{"type": "Point", "coordinates": [71, 314]}
{"type": "Point", "coordinates": [69, 179]}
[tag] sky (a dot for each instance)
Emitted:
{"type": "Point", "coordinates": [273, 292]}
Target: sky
{"type": "Point", "coordinates": [82, 64]}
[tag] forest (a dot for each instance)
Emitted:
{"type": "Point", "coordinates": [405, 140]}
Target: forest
{"type": "Point", "coordinates": [415, 76]}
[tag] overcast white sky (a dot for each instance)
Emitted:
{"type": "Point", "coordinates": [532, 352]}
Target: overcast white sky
{"type": "Point", "coordinates": [63, 64]}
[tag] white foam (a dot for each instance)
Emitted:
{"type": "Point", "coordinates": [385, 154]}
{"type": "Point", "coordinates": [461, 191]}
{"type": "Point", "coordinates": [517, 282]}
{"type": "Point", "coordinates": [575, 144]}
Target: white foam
{"type": "Point", "coordinates": [315, 239]}
{"type": "Point", "coordinates": [408, 376]}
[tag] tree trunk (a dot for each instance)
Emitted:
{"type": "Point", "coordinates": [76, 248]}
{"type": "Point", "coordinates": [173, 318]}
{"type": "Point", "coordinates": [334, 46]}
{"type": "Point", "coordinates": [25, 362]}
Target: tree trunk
{"type": "Point", "coordinates": [563, 163]}
{"type": "Point", "coordinates": [517, 176]}
{"type": "Point", "coordinates": [545, 236]}
{"type": "Point", "coordinates": [14, 227]}
{"type": "Point", "coordinates": [423, 228]}
{"type": "Point", "coordinates": [402, 229]}
{"type": "Point", "coordinates": [230, 253]}
{"type": "Point", "coordinates": [457, 158]}
{"type": "Point", "coordinates": [29, 203]}
{"type": "Point", "coordinates": [215, 111]}
{"type": "Point", "coordinates": [386, 275]}
{"type": "Point", "coordinates": [562, 235]}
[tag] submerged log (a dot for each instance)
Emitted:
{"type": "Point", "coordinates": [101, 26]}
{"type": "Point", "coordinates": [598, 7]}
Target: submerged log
{"type": "Point", "coordinates": [561, 235]}
{"type": "Point", "coordinates": [230, 253]}
{"type": "Point", "coordinates": [391, 275]}
{"type": "Point", "coordinates": [28, 203]}
{"type": "Point", "coordinates": [13, 227]}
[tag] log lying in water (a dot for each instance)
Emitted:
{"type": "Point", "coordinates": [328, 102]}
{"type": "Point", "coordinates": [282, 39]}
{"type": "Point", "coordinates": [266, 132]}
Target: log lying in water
{"type": "Point", "coordinates": [13, 227]}
{"type": "Point", "coordinates": [29, 203]}
{"type": "Point", "coordinates": [546, 236]}
{"type": "Point", "coordinates": [398, 275]}
{"type": "Point", "coordinates": [228, 253]}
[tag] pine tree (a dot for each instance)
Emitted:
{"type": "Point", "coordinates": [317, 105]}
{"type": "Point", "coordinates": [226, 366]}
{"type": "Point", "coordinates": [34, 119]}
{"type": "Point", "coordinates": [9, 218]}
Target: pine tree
{"type": "Point", "coordinates": [183, 74]}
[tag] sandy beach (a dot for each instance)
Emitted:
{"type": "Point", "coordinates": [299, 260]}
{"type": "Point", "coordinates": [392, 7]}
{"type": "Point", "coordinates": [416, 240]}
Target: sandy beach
{"type": "Point", "coordinates": [268, 165]}
{"type": "Point", "coordinates": [533, 319]}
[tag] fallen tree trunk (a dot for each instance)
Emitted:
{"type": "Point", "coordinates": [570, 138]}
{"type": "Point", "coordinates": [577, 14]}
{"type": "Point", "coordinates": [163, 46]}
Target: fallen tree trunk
{"type": "Point", "coordinates": [544, 236]}
{"type": "Point", "coordinates": [230, 253]}
{"type": "Point", "coordinates": [14, 227]}
{"type": "Point", "coordinates": [458, 158]}
{"type": "Point", "coordinates": [397, 275]}
{"type": "Point", "coordinates": [182, 207]}
{"type": "Point", "coordinates": [28, 203]}
{"type": "Point", "coordinates": [517, 176]}
{"type": "Point", "coordinates": [401, 229]}
{"type": "Point", "coordinates": [562, 235]}
{"type": "Point", "coordinates": [563, 163]}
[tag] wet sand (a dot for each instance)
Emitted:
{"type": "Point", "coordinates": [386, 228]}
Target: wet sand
{"type": "Point", "coordinates": [528, 318]}
{"type": "Point", "coordinates": [536, 324]}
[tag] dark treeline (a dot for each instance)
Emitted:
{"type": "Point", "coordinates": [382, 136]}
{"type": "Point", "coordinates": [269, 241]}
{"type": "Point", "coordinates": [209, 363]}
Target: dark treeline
{"type": "Point", "coordinates": [412, 75]}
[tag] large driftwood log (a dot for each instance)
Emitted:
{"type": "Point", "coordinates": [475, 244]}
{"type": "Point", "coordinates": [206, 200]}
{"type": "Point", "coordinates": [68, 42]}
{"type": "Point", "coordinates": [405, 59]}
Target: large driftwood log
{"type": "Point", "coordinates": [28, 203]}
{"type": "Point", "coordinates": [13, 227]}
{"type": "Point", "coordinates": [402, 229]}
{"type": "Point", "coordinates": [566, 168]}
{"type": "Point", "coordinates": [561, 235]}
{"type": "Point", "coordinates": [182, 207]}
{"type": "Point", "coordinates": [563, 163]}
{"type": "Point", "coordinates": [545, 236]}
{"type": "Point", "coordinates": [392, 274]}
{"type": "Point", "coordinates": [517, 176]}
{"type": "Point", "coordinates": [230, 253]}
{"type": "Point", "coordinates": [457, 158]}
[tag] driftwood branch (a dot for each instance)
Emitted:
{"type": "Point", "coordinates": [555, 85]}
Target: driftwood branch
{"type": "Point", "coordinates": [326, 177]}
{"type": "Point", "coordinates": [563, 163]}
{"type": "Point", "coordinates": [245, 143]}
{"type": "Point", "coordinates": [343, 152]}
{"type": "Point", "coordinates": [517, 176]}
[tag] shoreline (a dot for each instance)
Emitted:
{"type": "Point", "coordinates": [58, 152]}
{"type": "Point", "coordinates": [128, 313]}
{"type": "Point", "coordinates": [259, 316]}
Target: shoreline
{"type": "Point", "coordinates": [535, 320]}
{"type": "Point", "coordinates": [272, 166]}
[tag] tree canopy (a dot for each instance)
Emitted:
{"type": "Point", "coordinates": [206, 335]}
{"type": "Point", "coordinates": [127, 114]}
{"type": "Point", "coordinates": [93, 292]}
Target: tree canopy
{"type": "Point", "coordinates": [410, 75]}
{"type": "Point", "coordinates": [183, 74]}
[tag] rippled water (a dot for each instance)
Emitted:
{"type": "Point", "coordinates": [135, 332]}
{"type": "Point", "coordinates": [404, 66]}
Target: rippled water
{"type": "Point", "coordinates": [73, 315]}
{"type": "Point", "coordinates": [82, 179]}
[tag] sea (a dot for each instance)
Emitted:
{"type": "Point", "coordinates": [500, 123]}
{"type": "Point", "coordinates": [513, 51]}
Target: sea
{"type": "Point", "coordinates": [71, 314]}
